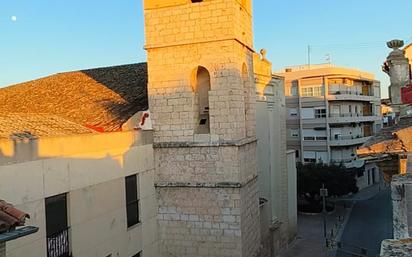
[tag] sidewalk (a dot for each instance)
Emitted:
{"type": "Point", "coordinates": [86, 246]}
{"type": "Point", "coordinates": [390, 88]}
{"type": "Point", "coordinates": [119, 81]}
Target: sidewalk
{"type": "Point", "coordinates": [310, 240]}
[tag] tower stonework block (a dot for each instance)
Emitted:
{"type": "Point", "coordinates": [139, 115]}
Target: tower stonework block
{"type": "Point", "coordinates": [202, 100]}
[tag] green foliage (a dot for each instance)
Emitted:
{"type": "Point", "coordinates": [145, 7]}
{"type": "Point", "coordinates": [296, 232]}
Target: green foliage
{"type": "Point", "coordinates": [337, 179]}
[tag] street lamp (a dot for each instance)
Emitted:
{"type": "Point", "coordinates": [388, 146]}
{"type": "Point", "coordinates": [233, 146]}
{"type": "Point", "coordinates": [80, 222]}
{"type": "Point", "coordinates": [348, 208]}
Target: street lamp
{"type": "Point", "coordinates": [324, 194]}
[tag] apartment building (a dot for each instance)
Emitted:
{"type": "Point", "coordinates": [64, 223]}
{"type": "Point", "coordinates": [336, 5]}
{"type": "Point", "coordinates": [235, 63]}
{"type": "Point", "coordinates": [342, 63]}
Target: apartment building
{"type": "Point", "coordinates": [331, 111]}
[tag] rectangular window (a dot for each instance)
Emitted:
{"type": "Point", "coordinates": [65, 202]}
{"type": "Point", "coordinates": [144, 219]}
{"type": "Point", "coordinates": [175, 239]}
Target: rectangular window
{"type": "Point", "coordinates": [309, 138]}
{"type": "Point", "coordinates": [320, 113]}
{"type": "Point", "coordinates": [312, 91]}
{"type": "Point", "coordinates": [294, 133]}
{"type": "Point", "coordinates": [294, 90]}
{"type": "Point", "coordinates": [132, 200]}
{"type": "Point", "coordinates": [307, 113]}
{"type": "Point", "coordinates": [307, 91]}
{"type": "Point", "coordinates": [293, 112]}
{"type": "Point", "coordinates": [57, 229]}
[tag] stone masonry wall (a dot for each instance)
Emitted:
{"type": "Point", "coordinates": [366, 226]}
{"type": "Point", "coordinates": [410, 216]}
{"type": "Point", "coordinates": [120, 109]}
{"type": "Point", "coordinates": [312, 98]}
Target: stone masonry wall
{"type": "Point", "coordinates": [171, 95]}
{"type": "Point", "coordinates": [2, 250]}
{"type": "Point", "coordinates": [206, 164]}
{"type": "Point", "coordinates": [188, 23]}
{"type": "Point", "coordinates": [200, 222]}
{"type": "Point", "coordinates": [250, 224]}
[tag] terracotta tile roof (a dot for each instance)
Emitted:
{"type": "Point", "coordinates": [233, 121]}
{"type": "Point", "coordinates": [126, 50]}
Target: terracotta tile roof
{"type": "Point", "coordinates": [102, 99]}
{"type": "Point", "coordinates": [11, 217]}
{"type": "Point", "coordinates": [31, 126]}
{"type": "Point", "coordinates": [393, 139]}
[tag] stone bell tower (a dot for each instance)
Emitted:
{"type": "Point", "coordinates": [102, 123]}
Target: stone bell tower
{"type": "Point", "coordinates": [202, 100]}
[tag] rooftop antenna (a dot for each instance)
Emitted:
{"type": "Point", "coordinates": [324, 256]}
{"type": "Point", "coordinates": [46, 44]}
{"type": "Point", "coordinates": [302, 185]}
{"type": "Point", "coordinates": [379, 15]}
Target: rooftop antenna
{"type": "Point", "coordinates": [309, 53]}
{"type": "Point", "coordinates": [328, 58]}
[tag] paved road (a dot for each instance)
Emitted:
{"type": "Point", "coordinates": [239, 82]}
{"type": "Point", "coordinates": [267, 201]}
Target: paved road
{"type": "Point", "coordinates": [370, 222]}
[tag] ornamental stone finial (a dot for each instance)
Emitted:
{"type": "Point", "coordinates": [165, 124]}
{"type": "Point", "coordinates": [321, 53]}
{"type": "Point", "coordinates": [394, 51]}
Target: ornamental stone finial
{"type": "Point", "coordinates": [395, 44]}
{"type": "Point", "coordinates": [263, 52]}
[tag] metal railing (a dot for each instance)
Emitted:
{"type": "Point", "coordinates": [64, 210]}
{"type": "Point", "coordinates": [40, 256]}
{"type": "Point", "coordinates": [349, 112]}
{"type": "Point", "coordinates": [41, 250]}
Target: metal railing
{"type": "Point", "coordinates": [346, 92]}
{"type": "Point", "coordinates": [58, 244]}
{"type": "Point", "coordinates": [338, 161]}
{"type": "Point", "coordinates": [340, 138]}
{"type": "Point", "coordinates": [350, 114]}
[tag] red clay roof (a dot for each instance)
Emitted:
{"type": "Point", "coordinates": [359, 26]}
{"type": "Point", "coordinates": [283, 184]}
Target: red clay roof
{"type": "Point", "coordinates": [11, 217]}
{"type": "Point", "coordinates": [102, 99]}
{"type": "Point", "coordinates": [31, 126]}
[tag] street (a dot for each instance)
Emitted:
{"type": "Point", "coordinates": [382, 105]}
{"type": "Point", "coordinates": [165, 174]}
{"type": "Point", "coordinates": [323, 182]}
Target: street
{"type": "Point", "coordinates": [370, 223]}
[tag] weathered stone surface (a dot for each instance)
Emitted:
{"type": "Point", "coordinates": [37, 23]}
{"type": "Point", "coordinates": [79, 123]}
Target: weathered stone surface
{"type": "Point", "coordinates": [206, 182]}
{"type": "Point", "coordinates": [2, 250]}
{"type": "Point", "coordinates": [402, 206]}
{"type": "Point", "coordinates": [396, 248]}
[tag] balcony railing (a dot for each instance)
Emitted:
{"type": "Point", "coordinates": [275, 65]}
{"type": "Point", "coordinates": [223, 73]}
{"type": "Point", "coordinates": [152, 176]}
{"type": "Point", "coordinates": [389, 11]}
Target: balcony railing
{"type": "Point", "coordinates": [338, 161]}
{"type": "Point", "coordinates": [352, 114]}
{"type": "Point", "coordinates": [345, 138]}
{"type": "Point", "coordinates": [348, 92]}
{"type": "Point", "coordinates": [58, 244]}
{"type": "Point", "coordinates": [348, 140]}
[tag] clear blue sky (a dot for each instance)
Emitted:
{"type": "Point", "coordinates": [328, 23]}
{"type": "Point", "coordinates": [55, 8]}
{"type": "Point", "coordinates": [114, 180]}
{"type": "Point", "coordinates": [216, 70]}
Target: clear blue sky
{"type": "Point", "coordinates": [50, 36]}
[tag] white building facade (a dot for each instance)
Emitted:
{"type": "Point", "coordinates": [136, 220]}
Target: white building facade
{"type": "Point", "coordinates": [330, 112]}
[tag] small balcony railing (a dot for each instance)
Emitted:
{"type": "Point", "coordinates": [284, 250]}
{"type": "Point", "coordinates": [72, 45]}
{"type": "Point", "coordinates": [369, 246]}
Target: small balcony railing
{"type": "Point", "coordinates": [58, 244]}
{"type": "Point", "coordinates": [352, 114]}
{"type": "Point", "coordinates": [346, 137]}
{"type": "Point", "coordinates": [348, 92]}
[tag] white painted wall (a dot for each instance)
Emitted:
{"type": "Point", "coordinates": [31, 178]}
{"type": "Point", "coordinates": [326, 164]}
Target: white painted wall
{"type": "Point", "coordinates": [292, 194]}
{"type": "Point", "coordinates": [91, 170]}
{"type": "Point", "coordinates": [343, 153]}
{"type": "Point", "coordinates": [370, 177]}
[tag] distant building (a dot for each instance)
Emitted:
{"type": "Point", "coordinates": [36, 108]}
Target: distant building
{"type": "Point", "coordinates": [408, 52]}
{"type": "Point", "coordinates": [330, 112]}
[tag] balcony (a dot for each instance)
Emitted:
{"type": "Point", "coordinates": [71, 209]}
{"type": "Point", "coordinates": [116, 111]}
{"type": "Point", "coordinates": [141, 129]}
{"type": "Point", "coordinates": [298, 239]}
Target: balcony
{"type": "Point", "coordinates": [58, 244]}
{"type": "Point", "coordinates": [348, 140]}
{"type": "Point", "coordinates": [352, 118]}
{"type": "Point", "coordinates": [350, 96]}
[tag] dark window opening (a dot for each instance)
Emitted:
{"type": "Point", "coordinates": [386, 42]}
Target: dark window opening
{"type": "Point", "coordinates": [132, 201]}
{"type": "Point", "coordinates": [197, 1]}
{"type": "Point", "coordinates": [57, 230]}
{"type": "Point", "coordinates": [202, 89]}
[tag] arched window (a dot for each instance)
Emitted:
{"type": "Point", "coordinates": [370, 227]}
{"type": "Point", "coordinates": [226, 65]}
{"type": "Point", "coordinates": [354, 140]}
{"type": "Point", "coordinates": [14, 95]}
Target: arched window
{"type": "Point", "coordinates": [201, 88]}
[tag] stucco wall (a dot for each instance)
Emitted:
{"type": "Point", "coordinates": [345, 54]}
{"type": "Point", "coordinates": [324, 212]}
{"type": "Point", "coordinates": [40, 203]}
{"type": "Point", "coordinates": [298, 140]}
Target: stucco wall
{"type": "Point", "coordinates": [91, 170]}
{"type": "Point", "coordinates": [292, 195]}
{"type": "Point", "coordinates": [272, 161]}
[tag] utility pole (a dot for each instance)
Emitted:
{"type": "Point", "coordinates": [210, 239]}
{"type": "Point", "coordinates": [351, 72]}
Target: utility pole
{"type": "Point", "coordinates": [309, 53]}
{"type": "Point", "coordinates": [324, 194]}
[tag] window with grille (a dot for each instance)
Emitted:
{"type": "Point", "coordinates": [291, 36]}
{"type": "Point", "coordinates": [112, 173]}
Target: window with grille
{"type": "Point", "coordinates": [320, 113]}
{"type": "Point", "coordinates": [312, 91]}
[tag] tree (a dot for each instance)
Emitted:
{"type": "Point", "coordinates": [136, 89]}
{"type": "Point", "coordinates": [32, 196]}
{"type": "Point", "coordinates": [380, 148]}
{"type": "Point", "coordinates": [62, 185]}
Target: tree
{"type": "Point", "coordinates": [337, 179]}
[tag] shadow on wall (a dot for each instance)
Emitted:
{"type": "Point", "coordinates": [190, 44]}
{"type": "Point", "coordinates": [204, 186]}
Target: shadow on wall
{"type": "Point", "coordinates": [97, 146]}
{"type": "Point", "coordinates": [32, 169]}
